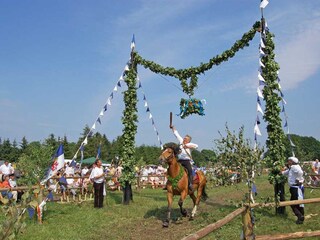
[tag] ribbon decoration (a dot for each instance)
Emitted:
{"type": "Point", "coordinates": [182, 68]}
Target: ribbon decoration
{"type": "Point", "coordinates": [146, 105]}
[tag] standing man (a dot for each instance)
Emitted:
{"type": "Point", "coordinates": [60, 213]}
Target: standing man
{"type": "Point", "coordinates": [184, 156]}
{"type": "Point", "coordinates": [97, 176]}
{"type": "Point", "coordinates": [6, 168]}
{"type": "Point", "coordinates": [295, 181]}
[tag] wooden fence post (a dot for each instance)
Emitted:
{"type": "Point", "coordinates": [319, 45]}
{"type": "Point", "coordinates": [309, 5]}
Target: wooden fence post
{"type": "Point", "coordinates": [247, 224]}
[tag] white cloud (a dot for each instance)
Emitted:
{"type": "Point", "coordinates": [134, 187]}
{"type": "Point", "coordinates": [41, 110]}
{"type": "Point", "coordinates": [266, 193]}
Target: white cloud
{"type": "Point", "coordinates": [299, 59]}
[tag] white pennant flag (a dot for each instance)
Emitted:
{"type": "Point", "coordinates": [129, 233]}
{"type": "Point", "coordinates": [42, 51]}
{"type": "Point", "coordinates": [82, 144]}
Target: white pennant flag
{"type": "Point", "coordinates": [94, 126]}
{"type": "Point", "coordinates": [115, 88]}
{"type": "Point", "coordinates": [101, 113]}
{"type": "Point", "coordinates": [264, 3]}
{"type": "Point", "coordinates": [260, 63]}
{"type": "Point", "coordinates": [85, 142]}
{"type": "Point", "coordinates": [259, 93]}
{"type": "Point", "coordinates": [261, 52]}
{"type": "Point", "coordinates": [284, 101]}
{"type": "Point", "coordinates": [262, 43]}
{"type": "Point", "coordinates": [260, 77]}
{"type": "Point", "coordinates": [145, 104]}
{"type": "Point", "coordinates": [109, 101]}
{"type": "Point", "coordinates": [259, 109]}
{"type": "Point", "coordinates": [126, 68]}
{"type": "Point", "coordinates": [150, 116]}
{"type": "Point", "coordinates": [154, 128]}
{"type": "Point", "coordinates": [279, 86]}
{"type": "Point", "coordinates": [257, 130]}
{"type": "Point", "coordinates": [121, 78]}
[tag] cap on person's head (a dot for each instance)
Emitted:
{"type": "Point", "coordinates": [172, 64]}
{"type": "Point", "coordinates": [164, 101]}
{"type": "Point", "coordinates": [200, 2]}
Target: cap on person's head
{"type": "Point", "coordinates": [294, 159]}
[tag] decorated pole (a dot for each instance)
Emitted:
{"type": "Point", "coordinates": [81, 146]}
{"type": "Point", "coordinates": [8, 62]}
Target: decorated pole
{"type": "Point", "coordinates": [129, 121]}
{"type": "Point", "coordinates": [170, 120]}
{"type": "Point", "coordinates": [275, 143]}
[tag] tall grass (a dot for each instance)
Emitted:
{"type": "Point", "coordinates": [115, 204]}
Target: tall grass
{"type": "Point", "coordinates": [142, 219]}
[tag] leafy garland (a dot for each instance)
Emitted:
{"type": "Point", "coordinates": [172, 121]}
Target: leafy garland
{"type": "Point", "coordinates": [275, 142]}
{"type": "Point", "coordinates": [129, 120]}
{"type": "Point", "coordinates": [174, 180]}
{"type": "Point", "coordinates": [193, 72]}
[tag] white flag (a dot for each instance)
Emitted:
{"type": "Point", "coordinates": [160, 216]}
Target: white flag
{"type": "Point", "coordinates": [264, 3]}
{"type": "Point", "coordinates": [257, 130]}
{"type": "Point", "coordinates": [259, 109]}
{"type": "Point", "coordinates": [259, 93]}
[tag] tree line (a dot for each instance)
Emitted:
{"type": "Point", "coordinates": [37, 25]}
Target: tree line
{"type": "Point", "coordinates": [306, 149]}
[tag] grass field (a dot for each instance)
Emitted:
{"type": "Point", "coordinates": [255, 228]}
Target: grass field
{"type": "Point", "coordinates": [142, 219]}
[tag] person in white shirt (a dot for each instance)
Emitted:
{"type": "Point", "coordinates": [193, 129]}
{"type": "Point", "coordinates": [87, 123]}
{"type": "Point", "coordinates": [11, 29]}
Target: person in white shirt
{"type": "Point", "coordinates": [98, 177]}
{"type": "Point", "coordinates": [184, 156]}
{"type": "Point", "coordinates": [6, 168]}
{"type": "Point", "coordinates": [295, 181]}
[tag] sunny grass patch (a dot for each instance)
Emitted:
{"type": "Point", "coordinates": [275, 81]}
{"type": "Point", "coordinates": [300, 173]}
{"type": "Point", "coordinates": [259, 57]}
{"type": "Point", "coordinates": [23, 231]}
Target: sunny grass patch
{"type": "Point", "coordinates": [142, 219]}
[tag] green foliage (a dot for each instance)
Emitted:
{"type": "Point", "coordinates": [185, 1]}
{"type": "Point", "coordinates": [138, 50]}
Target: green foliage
{"type": "Point", "coordinates": [14, 222]}
{"type": "Point", "coordinates": [148, 154]}
{"type": "Point", "coordinates": [129, 120]}
{"type": "Point", "coordinates": [275, 142]}
{"type": "Point", "coordinates": [236, 154]}
{"type": "Point", "coordinates": [306, 148]}
{"type": "Point", "coordinates": [34, 163]}
{"type": "Point", "coordinates": [193, 72]}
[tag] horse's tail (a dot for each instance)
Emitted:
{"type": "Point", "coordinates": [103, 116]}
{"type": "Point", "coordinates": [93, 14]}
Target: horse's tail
{"type": "Point", "coordinates": [204, 195]}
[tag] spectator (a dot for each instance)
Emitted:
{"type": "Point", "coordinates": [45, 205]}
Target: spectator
{"type": "Point", "coordinates": [97, 176]}
{"type": "Point", "coordinates": [63, 185]}
{"type": "Point", "coordinates": [84, 171]}
{"type": "Point", "coordinates": [295, 181]}
{"type": "Point", "coordinates": [13, 184]}
{"type": "Point", "coordinates": [4, 183]}
{"type": "Point", "coordinates": [70, 182]}
{"type": "Point", "coordinates": [6, 168]}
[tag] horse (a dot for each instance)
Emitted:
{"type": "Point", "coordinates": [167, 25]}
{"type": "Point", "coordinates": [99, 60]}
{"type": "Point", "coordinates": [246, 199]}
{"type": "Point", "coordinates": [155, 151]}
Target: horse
{"type": "Point", "coordinates": [177, 183]}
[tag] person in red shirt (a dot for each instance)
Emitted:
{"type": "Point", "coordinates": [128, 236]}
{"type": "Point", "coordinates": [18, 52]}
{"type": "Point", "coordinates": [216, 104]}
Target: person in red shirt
{"type": "Point", "coordinates": [5, 184]}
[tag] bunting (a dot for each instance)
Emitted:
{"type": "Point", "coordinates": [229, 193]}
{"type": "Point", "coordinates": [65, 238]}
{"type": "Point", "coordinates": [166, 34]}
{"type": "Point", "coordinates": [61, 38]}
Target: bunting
{"type": "Point", "coordinates": [146, 105]}
{"type": "Point", "coordinates": [261, 85]}
{"type": "Point", "coordinates": [102, 112]}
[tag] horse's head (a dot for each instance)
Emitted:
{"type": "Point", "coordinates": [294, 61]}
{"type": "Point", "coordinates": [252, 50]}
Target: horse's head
{"type": "Point", "coordinates": [169, 152]}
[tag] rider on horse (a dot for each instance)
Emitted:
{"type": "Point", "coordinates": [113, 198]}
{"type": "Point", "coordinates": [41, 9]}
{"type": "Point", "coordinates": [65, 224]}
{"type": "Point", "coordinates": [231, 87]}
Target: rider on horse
{"type": "Point", "coordinates": [185, 153]}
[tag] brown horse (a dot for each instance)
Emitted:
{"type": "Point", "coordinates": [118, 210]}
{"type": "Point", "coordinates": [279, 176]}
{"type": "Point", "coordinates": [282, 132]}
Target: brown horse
{"type": "Point", "coordinates": [177, 183]}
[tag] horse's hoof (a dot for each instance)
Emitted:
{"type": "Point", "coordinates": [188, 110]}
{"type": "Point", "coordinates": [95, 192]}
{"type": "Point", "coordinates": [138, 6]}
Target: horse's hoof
{"type": "Point", "coordinates": [191, 218]}
{"type": "Point", "coordinates": [165, 224]}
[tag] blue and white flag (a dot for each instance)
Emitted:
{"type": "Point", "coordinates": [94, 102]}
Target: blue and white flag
{"type": "Point", "coordinates": [99, 152]}
{"type": "Point", "coordinates": [58, 163]}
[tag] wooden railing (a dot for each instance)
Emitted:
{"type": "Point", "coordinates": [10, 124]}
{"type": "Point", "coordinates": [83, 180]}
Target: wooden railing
{"type": "Point", "coordinates": [248, 226]}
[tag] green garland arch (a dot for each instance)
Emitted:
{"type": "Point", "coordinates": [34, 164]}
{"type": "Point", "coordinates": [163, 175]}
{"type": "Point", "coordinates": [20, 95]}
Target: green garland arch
{"type": "Point", "coordinates": [193, 72]}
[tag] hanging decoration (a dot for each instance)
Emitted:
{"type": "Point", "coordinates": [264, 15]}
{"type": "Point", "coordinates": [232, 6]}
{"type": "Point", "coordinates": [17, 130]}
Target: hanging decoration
{"type": "Point", "coordinates": [191, 106]}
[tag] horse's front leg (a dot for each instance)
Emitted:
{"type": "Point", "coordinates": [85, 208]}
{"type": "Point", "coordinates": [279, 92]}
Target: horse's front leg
{"type": "Point", "coordinates": [167, 220]}
{"type": "Point", "coordinates": [182, 210]}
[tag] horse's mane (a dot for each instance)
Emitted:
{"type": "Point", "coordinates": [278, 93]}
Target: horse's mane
{"type": "Point", "coordinates": [175, 147]}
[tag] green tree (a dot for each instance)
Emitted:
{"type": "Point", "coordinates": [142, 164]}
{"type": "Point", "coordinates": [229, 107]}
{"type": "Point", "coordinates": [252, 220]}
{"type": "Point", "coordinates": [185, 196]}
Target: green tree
{"type": "Point", "coordinates": [306, 148]}
{"type": "Point", "coordinates": [236, 154]}
{"type": "Point", "coordinates": [24, 144]}
{"type": "Point", "coordinates": [34, 163]}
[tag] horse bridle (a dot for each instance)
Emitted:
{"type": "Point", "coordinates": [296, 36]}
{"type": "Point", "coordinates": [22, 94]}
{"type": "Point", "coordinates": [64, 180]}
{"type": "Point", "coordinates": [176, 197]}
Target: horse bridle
{"type": "Point", "coordinates": [170, 156]}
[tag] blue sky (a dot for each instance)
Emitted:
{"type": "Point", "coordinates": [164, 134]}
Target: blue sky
{"type": "Point", "coordinates": [60, 61]}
